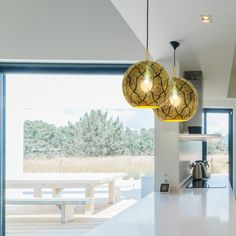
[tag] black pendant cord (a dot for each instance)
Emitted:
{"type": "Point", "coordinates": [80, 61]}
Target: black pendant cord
{"type": "Point", "coordinates": [147, 21]}
{"type": "Point", "coordinates": [175, 45]}
{"type": "Point", "coordinates": [174, 57]}
{"type": "Point", "coordinates": [174, 69]}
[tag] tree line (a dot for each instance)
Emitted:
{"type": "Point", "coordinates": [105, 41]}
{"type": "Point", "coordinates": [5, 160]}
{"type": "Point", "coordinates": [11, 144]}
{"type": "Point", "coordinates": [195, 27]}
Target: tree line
{"type": "Point", "coordinates": [94, 134]}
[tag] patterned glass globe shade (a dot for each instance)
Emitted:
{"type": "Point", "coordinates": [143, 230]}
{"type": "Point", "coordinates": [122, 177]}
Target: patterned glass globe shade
{"type": "Point", "coordinates": [146, 85]}
{"type": "Point", "coordinates": [182, 104]}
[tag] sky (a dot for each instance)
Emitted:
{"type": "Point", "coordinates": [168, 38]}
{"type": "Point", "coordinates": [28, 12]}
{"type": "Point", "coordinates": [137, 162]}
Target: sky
{"type": "Point", "coordinates": [132, 118]}
{"type": "Point", "coordinates": [217, 123]}
{"type": "Point", "coordinates": [58, 99]}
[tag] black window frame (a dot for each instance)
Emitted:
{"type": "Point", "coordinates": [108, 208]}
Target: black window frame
{"type": "Point", "coordinates": [228, 111]}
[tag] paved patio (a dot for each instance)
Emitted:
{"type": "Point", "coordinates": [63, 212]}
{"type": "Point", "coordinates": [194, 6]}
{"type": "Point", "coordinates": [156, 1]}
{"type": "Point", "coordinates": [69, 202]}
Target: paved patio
{"type": "Point", "coordinates": [45, 220]}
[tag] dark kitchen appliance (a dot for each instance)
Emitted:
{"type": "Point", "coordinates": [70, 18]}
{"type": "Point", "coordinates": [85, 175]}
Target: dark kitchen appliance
{"type": "Point", "coordinates": [195, 129]}
{"type": "Point", "coordinates": [205, 184]}
{"type": "Point", "coordinates": [214, 182]}
{"type": "Point", "coordinates": [198, 184]}
{"type": "Point", "coordinates": [200, 170]}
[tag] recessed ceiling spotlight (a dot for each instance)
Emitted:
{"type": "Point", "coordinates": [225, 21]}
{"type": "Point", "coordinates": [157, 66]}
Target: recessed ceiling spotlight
{"type": "Point", "coordinates": [206, 18]}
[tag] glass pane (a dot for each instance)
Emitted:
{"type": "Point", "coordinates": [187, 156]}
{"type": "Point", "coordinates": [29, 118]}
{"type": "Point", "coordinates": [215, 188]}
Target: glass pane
{"type": "Point", "coordinates": [217, 152]}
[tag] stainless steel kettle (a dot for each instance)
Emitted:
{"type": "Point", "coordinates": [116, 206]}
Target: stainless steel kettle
{"type": "Point", "coordinates": [197, 170]}
{"type": "Point", "coordinates": [200, 170]}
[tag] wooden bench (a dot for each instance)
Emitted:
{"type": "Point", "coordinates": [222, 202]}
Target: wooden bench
{"type": "Point", "coordinates": [66, 206]}
{"type": "Point", "coordinates": [60, 181]}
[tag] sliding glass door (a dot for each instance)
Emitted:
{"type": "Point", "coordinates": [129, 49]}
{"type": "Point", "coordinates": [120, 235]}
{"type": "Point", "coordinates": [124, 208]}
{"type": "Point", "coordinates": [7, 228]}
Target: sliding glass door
{"type": "Point", "coordinates": [219, 154]}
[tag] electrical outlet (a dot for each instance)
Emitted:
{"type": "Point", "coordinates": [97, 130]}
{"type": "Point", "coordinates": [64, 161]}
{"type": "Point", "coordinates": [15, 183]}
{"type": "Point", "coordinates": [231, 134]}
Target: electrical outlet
{"type": "Point", "coordinates": [166, 177]}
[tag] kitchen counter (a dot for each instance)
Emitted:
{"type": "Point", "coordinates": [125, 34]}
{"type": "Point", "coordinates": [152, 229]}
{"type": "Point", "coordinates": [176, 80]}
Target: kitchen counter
{"type": "Point", "coordinates": [205, 212]}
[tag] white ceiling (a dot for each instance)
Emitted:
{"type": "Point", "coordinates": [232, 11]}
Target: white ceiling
{"type": "Point", "coordinates": [75, 30]}
{"type": "Point", "coordinates": [206, 47]}
{"type": "Point", "coordinates": [114, 30]}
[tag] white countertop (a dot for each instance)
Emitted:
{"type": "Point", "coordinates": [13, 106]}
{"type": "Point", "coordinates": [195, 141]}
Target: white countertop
{"type": "Point", "coordinates": [204, 212]}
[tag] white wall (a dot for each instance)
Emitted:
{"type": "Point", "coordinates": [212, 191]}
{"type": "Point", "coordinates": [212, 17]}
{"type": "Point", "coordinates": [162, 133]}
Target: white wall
{"type": "Point", "coordinates": [167, 154]}
{"type": "Point", "coordinates": [167, 147]}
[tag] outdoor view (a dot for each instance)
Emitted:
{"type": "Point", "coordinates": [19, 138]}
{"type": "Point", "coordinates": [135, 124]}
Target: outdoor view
{"type": "Point", "coordinates": [100, 141]}
{"type": "Point", "coordinates": [217, 152]}
{"type": "Point", "coordinates": [67, 140]}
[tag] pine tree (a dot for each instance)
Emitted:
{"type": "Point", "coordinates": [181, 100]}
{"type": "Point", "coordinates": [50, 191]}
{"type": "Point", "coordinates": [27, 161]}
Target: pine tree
{"type": "Point", "coordinates": [95, 134]}
{"type": "Point", "coordinates": [39, 138]}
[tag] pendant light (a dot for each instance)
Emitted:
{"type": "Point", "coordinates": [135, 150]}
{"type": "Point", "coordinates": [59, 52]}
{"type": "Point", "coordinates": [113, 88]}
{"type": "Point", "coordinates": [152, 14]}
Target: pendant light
{"type": "Point", "coordinates": [146, 83]}
{"type": "Point", "coordinates": [183, 100]}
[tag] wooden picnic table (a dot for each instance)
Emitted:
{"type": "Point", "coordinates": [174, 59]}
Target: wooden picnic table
{"type": "Point", "coordinates": [59, 181]}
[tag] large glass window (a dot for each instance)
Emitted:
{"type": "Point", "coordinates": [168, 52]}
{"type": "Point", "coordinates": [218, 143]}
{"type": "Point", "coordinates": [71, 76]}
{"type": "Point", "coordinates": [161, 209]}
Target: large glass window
{"type": "Point", "coordinates": [64, 130]}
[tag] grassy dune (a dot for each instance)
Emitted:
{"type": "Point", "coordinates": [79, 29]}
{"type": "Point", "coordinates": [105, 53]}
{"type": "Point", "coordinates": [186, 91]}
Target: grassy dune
{"type": "Point", "coordinates": [133, 166]}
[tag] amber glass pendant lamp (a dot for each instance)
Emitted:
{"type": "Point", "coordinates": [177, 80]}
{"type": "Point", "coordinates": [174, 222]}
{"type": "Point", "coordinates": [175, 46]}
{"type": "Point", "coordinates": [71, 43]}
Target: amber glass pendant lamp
{"type": "Point", "coordinates": [183, 101]}
{"type": "Point", "coordinates": [146, 83]}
